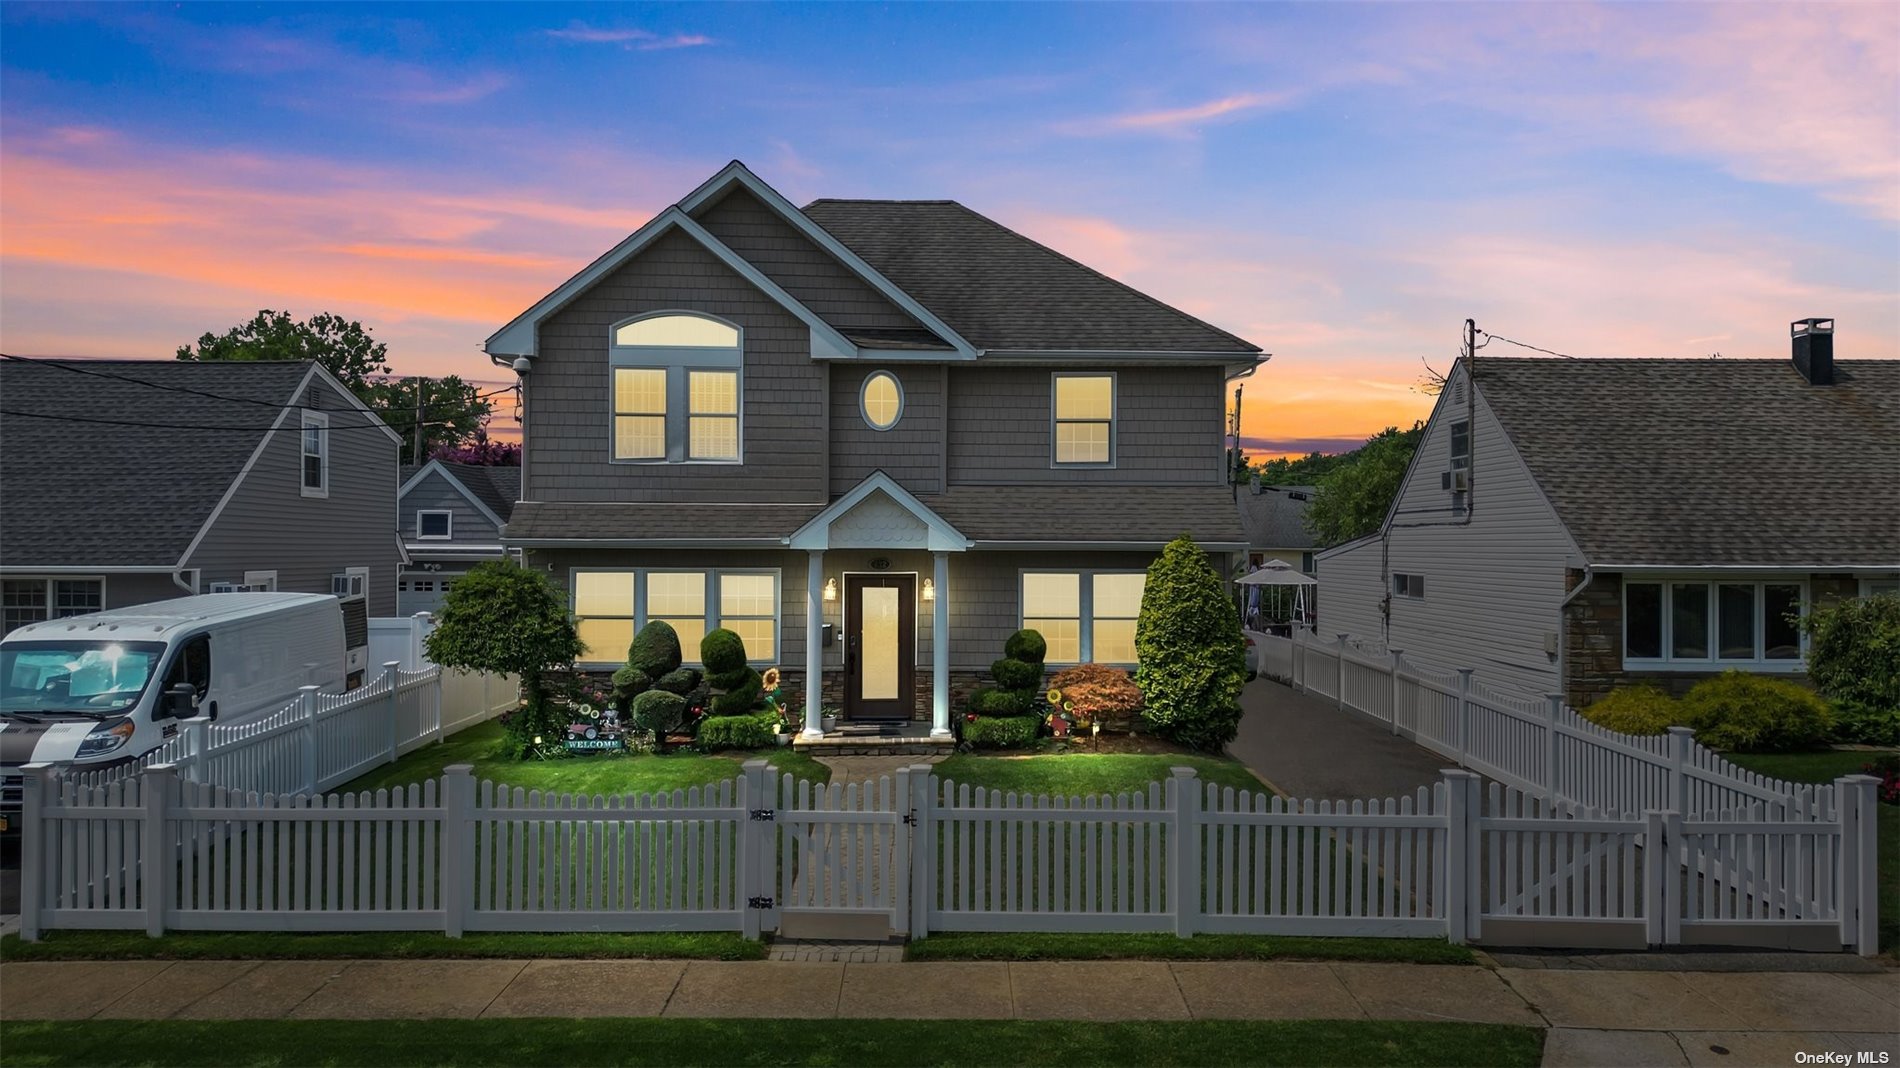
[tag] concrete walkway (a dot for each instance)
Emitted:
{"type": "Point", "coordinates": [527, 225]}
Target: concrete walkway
{"type": "Point", "coordinates": [1595, 1017]}
{"type": "Point", "coordinates": [1311, 749]}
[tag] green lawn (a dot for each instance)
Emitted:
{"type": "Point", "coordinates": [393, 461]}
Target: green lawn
{"type": "Point", "coordinates": [985, 946]}
{"type": "Point", "coordinates": [1826, 766]}
{"type": "Point", "coordinates": [766, 1042]}
{"type": "Point", "coordinates": [380, 945]}
{"type": "Point", "coordinates": [1075, 774]}
{"type": "Point", "coordinates": [481, 746]}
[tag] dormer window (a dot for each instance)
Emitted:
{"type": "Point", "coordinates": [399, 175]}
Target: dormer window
{"type": "Point", "coordinates": [677, 389]}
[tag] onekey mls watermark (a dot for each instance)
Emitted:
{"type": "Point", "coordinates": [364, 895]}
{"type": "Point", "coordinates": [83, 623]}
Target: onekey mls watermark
{"type": "Point", "coordinates": [1863, 1056]}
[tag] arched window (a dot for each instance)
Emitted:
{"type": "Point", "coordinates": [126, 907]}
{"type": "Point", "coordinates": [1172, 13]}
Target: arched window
{"type": "Point", "coordinates": [881, 400]}
{"type": "Point", "coordinates": [677, 389]}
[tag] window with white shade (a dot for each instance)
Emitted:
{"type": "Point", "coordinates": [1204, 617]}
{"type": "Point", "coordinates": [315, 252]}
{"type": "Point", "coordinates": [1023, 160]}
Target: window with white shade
{"type": "Point", "coordinates": [1698, 623]}
{"type": "Point", "coordinates": [677, 390]}
{"type": "Point", "coordinates": [1084, 420]}
{"type": "Point", "coordinates": [610, 606]}
{"type": "Point", "coordinates": [1084, 616]}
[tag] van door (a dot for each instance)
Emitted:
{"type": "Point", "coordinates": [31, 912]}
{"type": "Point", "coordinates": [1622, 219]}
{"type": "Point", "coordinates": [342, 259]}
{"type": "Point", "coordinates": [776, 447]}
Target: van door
{"type": "Point", "coordinates": [191, 666]}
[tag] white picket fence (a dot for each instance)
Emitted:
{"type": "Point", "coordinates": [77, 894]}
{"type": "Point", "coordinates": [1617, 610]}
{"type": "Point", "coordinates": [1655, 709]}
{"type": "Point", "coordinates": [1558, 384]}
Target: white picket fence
{"type": "Point", "coordinates": [917, 854]}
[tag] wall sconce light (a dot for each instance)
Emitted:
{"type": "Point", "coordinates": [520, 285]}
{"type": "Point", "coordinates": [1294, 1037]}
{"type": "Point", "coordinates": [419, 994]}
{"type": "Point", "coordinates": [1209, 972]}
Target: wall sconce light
{"type": "Point", "coordinates": [831, 590]}
{"type": "Point", "coordinates": [930, 590]}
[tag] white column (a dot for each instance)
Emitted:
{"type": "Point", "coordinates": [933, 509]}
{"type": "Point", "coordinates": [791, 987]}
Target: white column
{"type": "Point", "coordinates": [940, 651]}
{"type": "Point", "coordinates": [814, 647]}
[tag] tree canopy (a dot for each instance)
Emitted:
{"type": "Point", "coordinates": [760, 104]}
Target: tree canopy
{"type": "Point", "coordinates": [452, 411]}
{"type": "Point", "coordinates": [1355, 492]}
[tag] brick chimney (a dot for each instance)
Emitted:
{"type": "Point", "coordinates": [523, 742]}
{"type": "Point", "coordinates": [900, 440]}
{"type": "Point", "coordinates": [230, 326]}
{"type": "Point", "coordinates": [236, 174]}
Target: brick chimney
{"type": "Point", "coordinates": [1814, 350]}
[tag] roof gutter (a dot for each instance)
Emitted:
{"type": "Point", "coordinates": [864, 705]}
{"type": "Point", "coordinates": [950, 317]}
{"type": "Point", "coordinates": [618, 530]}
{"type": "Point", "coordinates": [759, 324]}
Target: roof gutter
{"type": "Point", "coordinates": [1105, 546]}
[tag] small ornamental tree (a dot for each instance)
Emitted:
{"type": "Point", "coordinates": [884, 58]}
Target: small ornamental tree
{"type": "Point", "coordinates": [507, 620]}
{"type": "Point", "coordinates": [1854, 658]}
{"type": "Point", "coordinates": [1193, 656]}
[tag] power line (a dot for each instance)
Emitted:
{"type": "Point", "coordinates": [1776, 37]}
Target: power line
{"type": "Point", "coordinates": [69, 365]}
{"type": "Point", "coordinates": [378, 425]}
{"type": "Point", "coordinates": [1490, 337]}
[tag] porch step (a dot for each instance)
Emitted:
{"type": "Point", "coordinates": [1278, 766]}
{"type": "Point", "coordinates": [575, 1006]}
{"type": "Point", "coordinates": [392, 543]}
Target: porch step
{"type": "Point", "coordinates": [904, 740]}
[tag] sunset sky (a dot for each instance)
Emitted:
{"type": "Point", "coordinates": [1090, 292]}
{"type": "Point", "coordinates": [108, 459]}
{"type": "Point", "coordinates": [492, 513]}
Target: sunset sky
{"type": "Point", "coordinates": [1340, 184]}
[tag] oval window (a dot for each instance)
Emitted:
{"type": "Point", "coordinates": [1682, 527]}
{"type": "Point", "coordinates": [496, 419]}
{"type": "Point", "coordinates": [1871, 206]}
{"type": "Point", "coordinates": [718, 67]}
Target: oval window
{"type": "Point", "coordinates": [881, 400]}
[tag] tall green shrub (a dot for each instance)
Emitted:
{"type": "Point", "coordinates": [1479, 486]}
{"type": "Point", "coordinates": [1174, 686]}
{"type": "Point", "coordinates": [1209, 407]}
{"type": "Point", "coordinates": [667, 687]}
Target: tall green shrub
{"type": "Point", "coordinates": [505, 619]}
{"type": "Point", "coordinates": [1854, 658]}
{"type": "Point", "coordinates": [739, 690]}
{"type": "Point", "coordinates": [1018, 677]}
{"type": "Point", "coordinates": [1755, 713]}
{"type": "Point", "coordinates": [1193, 656]}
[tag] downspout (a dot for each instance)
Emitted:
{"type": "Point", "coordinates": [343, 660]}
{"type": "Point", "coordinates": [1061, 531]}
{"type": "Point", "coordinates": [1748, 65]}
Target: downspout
{"type": "Point", "coordinates": [1563, 624]}
{"type": "Point", "coordinates": [178, 580]}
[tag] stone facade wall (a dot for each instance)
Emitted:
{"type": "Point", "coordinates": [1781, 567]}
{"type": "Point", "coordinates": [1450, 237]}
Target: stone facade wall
{"type": "Point", "coordinates": [961, 683]}
{"type": "Point", "coordinates": [1593, 638]}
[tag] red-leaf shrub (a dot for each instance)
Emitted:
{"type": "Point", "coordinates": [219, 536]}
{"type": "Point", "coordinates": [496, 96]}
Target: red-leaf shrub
{"type": "Point", "coordinates": [1099, 692]}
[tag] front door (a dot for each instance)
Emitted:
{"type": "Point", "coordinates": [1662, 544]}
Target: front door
{"type": "Point", "coordinates": [880, 643]}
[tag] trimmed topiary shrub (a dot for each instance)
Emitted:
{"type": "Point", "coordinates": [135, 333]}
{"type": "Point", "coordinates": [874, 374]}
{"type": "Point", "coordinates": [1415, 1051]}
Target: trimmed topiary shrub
{"type": "Point", "coordinates": [680, 681]}
{"type": "Point", "coordinates": [738, 688]}
{"type": "Point", "coordinates": [1854, 658]}
{"type": "Point", "coordinates": [738, 699]}
{"type": "Point", "coordinates": [722, 651]}
{"type": "Point", "coordinates": [659, 712]}
{"type": "Point", "coordinates": [1193, 656]}
{"type": "Point", "coordinates": [1012, 674]}
{"type": "Point", "coordinates": [629, 683]}
{"type": "Point", "coordinates": [656, 649]}
{"type": "Point", "coordinates": [1099, 693]}
{"type": "Point", "coordinates": [990, 701]}
{"type": "Point", "coordinates": [738, 732]}
{"type": "Point", "coordinates": [1001, 732]}
{"type": "Point", "coordinates": [1635, 710]}
{"type": "Point", "coordinates": [1756, 713]}
{"type": "Point", "coordinates": [1026, 645]}
{"type": "Point", "coordinates": [1018, 678]}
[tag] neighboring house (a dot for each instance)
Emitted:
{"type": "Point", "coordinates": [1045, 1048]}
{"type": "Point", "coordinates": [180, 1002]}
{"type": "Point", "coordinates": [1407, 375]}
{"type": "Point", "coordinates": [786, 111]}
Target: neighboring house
{"type": "Point", "coordinates": [876, 436]}
{"type": "Point", "coordinates": [1573, 525]}
{"type": "Point", "coordinates": [452, 516]}
{"type": "Point", "coordinates": [126, 481]}
{"type": "Point", "coordinates": [1274, 519]}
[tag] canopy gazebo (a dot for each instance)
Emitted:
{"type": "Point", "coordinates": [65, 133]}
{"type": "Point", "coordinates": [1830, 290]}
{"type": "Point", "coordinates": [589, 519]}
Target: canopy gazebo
{"type": "Point", "coordinates": [1274, 594]}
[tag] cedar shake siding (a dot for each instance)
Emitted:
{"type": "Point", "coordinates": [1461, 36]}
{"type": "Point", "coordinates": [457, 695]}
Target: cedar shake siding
{"type": "Point", "coordinates": [782, 432]}
{"type": "Point", "coordinates": [910, 452]}
{"type": "Point", "coordinates": [830, 289]}
{"type": "Point", "coordinates": [1168, 424]}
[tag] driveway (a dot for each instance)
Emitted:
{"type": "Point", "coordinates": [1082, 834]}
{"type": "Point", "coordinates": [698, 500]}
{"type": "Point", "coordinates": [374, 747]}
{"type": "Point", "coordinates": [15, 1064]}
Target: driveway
{"type": "Point", "coordinates": [1308, 748]}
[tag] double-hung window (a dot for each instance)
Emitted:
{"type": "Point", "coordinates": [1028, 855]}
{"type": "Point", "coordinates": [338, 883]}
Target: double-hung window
{"type": "Point", "coordinates": [1083, 420]}
{"type": "Point", "coordinates": [434, 524]}
{"type": "Point", "coordinates": [315, 444]}
{"type": "Point", "coordinates": [677, 390]}
{"type": "Point", "coordinates": [611, 606]}
{"type": "Point", "coordinates": [1083, 616]}
{"type": "Point", "coordinates": [32, 600]}
{"type": "Point", "coordinates": [1698, 623]}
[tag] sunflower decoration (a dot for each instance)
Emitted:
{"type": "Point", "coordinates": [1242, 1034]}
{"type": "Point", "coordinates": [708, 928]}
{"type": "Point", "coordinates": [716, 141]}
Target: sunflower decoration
{"type": "Point", "coordinates": [770, 679]}
{"type": "Point", "coordinates": [1054, 697]}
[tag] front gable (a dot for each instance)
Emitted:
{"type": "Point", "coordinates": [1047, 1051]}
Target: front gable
{"type": "Point", "coordinates": [878, 514]}
{"type": "Point", "coordinates": [434, 488]}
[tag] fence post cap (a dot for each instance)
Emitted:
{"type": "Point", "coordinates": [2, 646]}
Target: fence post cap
{"type": "Point", "coordinates": [1856, 779]}
{"type": "Point", "coordinates": [756, 762]}
{"type": "Point", "coordinates": [459, 769]}
{"type": "Point", "coordinates": [1682, 732]}
{"type": "Point", "coordinates": [1458, 773]}
{"type": "Point", "coordinates": [161, 769]}
{"type": "Point", "coordinates": [1184, 773]}
{"type": "Point", "coordinates": [312, 688]}
{"type": "Point", "coordinates": [392, 664]}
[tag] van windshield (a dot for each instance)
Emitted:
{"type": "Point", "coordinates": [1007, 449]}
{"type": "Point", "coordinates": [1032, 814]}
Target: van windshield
{"type": "Point", "coordinates": [89, 678]}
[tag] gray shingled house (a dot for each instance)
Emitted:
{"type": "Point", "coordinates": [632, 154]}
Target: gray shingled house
{"type": "Point", "coordinates": [452, 517]}
{"type": "Point", "coordinates": [126, 481]}
{"type": "Point", "coordinates": [1571, 525]}
{"type": "Point", "coordinates": [875, 436]}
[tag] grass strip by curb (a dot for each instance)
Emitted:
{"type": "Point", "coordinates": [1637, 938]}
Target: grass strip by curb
{"type": "Point", "coordinates": [380, 945]}
{"type": "Point", "coordinates": [987, 946]}
{"type": "Point", "coordinates": [765, 1042]}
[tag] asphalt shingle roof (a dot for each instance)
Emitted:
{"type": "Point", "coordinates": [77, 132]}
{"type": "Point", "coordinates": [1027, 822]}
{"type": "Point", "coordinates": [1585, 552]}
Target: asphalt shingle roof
{"type": "Point", "coordinates": [104, 494]}
{"type": "Point", "coordinates": [1708, 461]}
{"type": "Point", "coordinates": [1001, 290]}
{"type": "Point", "coordinates": [1274, 519]}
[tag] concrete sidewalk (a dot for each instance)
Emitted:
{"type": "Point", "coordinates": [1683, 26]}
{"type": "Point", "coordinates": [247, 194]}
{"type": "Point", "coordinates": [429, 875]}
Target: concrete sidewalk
{"type": "Point", "coordinates": [1308, 748]}
{"type": "Point", "coordinates": [1594, 1016]}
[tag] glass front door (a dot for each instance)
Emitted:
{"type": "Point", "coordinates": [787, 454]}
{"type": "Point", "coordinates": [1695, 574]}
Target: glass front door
{"type": "Point", "coordinates": [880, 646]}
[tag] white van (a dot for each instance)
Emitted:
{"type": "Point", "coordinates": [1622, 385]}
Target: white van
{"type": "Point", "coordinates": [101, 689]}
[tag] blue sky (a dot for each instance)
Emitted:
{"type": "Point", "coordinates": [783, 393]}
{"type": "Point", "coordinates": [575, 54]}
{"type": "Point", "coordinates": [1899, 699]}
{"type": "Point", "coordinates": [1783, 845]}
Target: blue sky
{"type": "Point", "coordinates": [1342, 184]}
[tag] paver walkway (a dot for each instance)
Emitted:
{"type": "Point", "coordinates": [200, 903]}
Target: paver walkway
{"type": "Point", "coordinates": [1309, 748]}
{"type": "Point", "coordinates": [1595, 1016]}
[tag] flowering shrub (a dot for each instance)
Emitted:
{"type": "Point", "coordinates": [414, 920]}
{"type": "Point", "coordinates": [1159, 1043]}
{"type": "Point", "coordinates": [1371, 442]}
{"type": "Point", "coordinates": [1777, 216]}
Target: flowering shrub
{"type": "Point", "coordinates": [1887, 770]}
{"type": "Point", "coordinates": [1099, 692]}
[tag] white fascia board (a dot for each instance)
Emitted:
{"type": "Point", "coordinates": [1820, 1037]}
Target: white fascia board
{"type": "Point", "coordinates": [518, 337]}
{"type": "Point", "coordinates": [454, 483]}
{"type": "Point", "coordinates": [816, 533]}
{"type": "Point", "coordinates": [1347, 546]}
{"type": "Point", "coordinates": [1105, 546]}
{"type": "Point", "coordinates": [82, 569]}
{"type": "Point", "coordinates": [737, 172]}
{"type": "Point", "coordinates": [909, 356]}
{"type": "Point", "coordinates": [645, 543]}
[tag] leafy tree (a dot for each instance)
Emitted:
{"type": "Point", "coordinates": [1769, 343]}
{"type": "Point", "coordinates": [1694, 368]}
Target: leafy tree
{"type": "Point", "coordinates": [480, 451]}
{"type": "Point", "coordinates": [1193, 656]}
{"type": "Point", "coordinates": [452, 410]}
{"type": "Point", "coordinates": [1354, 495]}
{"type": "Point", "coordinates": [344, 347]}
{"type": "Point", "coordinates": [505, 619]}
{"type": "Point", "coordinates": [1304, 471]}
{"type": "Point", "coordinates": [1854, 657]}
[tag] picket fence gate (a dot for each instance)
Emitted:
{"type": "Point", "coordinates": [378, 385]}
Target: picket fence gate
{"type": "Point", "coordinates": [916, 853]}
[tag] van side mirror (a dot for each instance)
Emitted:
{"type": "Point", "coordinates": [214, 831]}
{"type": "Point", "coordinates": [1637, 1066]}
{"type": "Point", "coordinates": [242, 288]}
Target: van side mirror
{"type": "Point", "coordinates": [181, 701]}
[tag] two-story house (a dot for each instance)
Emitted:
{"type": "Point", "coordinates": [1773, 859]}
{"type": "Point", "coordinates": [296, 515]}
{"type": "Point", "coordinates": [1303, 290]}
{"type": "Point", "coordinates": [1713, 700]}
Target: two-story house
{"type": "Point", "coordinates": [874, 437]}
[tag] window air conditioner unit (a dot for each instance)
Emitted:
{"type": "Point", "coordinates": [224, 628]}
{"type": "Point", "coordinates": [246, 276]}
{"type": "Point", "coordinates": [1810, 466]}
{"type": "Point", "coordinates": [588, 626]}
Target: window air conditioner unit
{"type": "Point", "coordinates": [1458, 481]}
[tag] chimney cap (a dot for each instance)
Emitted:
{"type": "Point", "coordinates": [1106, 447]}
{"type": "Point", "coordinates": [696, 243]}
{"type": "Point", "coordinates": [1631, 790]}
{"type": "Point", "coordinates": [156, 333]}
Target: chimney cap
{"type": "Point", "coordinates": [1810, 326]}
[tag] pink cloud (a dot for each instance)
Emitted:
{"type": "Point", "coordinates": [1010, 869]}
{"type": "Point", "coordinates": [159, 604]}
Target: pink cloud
{"type": "Point", "coordinates": [1173, 120]}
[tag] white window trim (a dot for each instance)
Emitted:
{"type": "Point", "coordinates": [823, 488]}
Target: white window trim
{"type": "Point", "coordinates": [450, 534]}
{"type": "Point", "coordinates": [676, 362]}
{"type": "Point", "coordinates": [714, 619]}
{"type": "Point", "coordinates": [351, 573]}
{"type": "Point", "coordinates": [865, 387]}
{"type": "Point", "coordinates": [1867, 584]}
{"type": "Point", "coordinates": [1713, 662]}
{"type": "Point", "coordinates": [321, 421]}
{"type": "Point", "coordinates": [1114, 420]}
{"type": "Point", "coordinates": [1085, 604]}
{"type": "Point", "coordinates": [47, 581]}
{"type": "Point", "coordinates": [1407, 592]}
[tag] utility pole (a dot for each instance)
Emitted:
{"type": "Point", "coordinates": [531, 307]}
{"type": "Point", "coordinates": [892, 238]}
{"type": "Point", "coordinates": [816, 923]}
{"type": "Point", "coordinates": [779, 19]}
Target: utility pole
{"type": "Point", "coordinates": [1236, 461]}
{"type": "Point", "coordinates": [418, 384]}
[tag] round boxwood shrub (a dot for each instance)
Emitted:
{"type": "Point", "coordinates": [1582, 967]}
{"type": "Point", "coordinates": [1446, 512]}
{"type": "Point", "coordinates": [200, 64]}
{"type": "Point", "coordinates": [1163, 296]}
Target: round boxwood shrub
{"type": "Point", "coordinates": [680, 681]}
{"type": "Point", "coordinates": [1635, 710]}
{"type": "Point", "coordinates": [1001, 732]}
{"type": "Point", "coordinates": [990, 701]}
{"type": "Point", "coordinates": [1193, 656]}
{"type": "Point", "coordinates": [721, 651]}
{"type": "Point", "coordinates": [737, 732]}
{"type": "Point", "coordinates": [659, 712]}
{"type": "Point", "coordinates": [629, 683]}
{"type": "Point", "coordinates": [740, 698]}
{"type": "Point", "coordinates": [1026, 645]}
{"type": "Point", "coordinates": [1013, 674]}
{"type": "Point", "coordinates": [1756, 713]}
{"type": "Point", "coordinates": [656, 649]}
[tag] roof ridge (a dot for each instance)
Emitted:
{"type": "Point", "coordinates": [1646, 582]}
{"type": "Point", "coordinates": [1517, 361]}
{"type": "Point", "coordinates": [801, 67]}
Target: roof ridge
{"type": "Point", "coordinates": [879, 200]}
